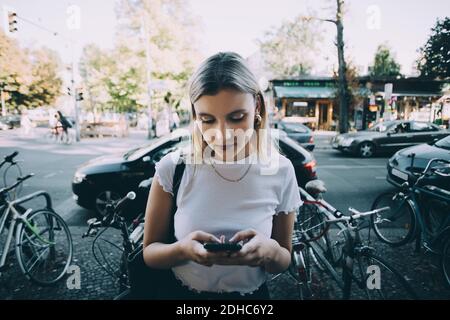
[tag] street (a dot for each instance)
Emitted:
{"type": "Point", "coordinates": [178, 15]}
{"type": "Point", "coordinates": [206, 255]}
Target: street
{"type": "Point", "coordinates": [351, 182]}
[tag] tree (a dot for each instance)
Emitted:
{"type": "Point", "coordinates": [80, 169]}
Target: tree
{"type": "Point", "coordinates": [384, 64]}
{"type": "Point", "coordinates": [30, 78]}
{"type": "Point", "coordinates": [289, 51]}
{"type": "Point", "coordinates": [46, 84]}
{"type": "Point", "coordinates": [434, 60]}
{"type": "Point", "coordinates": [117, 79]}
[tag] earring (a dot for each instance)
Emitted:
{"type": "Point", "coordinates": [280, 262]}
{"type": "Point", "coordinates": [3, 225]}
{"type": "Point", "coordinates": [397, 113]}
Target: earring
{"type": "Point", "coordinates": [258, 118]}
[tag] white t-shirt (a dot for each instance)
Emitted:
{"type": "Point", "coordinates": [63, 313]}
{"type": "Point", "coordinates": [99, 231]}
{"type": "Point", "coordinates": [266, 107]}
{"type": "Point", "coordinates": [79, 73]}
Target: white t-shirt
{"type": "Point", "coordinates": [209, 203]}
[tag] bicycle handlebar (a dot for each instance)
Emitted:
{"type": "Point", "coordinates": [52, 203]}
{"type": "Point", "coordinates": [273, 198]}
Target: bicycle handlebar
{"type": "Point", "coordinates": [19, 181]}
{"type": "Point", "coordinates": [435, 171]}
{"type": "Point", "coordinates": [109, 219]}
{"type": "Point", "coordinates": [356, 215]}
{"type": "Point", "coordinates": [10, 157]}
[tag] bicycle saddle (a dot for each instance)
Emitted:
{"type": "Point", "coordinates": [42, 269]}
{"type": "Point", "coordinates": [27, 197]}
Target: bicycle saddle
{"type": "Point", "coordinates": [316, 187]}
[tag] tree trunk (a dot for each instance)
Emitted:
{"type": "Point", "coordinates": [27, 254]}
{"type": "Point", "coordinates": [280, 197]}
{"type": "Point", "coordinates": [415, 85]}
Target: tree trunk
{"type": "Point", "coordinates": [342, 83]}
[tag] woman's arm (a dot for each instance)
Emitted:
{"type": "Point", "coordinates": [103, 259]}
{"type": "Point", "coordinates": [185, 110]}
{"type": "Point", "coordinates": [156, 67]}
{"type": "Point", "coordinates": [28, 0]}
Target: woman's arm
{"type": "Point", "coordinates": [157, 253]}
{"type": "Point", "coordinates": [283, 225]}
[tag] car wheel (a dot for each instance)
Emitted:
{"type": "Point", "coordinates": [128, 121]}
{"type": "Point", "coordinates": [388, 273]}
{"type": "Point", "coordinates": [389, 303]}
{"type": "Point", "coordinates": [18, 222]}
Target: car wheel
{"type": "Point", "coordinates": [366, 149]}
{"type": "Point", "coordinates": [104, 198]}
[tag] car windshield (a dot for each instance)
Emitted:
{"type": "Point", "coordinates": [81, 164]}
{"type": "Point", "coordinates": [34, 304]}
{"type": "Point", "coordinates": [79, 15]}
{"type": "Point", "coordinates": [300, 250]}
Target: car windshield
{"type": "Point", "coordinates": [443, 143]}
{"type": "Point", "coordinates": [381, 126]}
{"type": "Point", "coordinates": [139, 151]}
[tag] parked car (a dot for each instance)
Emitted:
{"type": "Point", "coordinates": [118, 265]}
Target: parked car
{"type": "Point", "coordinates": [399, 165]}
{"type": "Point", "coordinates": [388, 136]}
{"type": "Point", "coordinates": [298, 132]}
{"type": "Point", "coordinates": [108, 178]}
{"type": "Point", "coordinates": [9, 122]}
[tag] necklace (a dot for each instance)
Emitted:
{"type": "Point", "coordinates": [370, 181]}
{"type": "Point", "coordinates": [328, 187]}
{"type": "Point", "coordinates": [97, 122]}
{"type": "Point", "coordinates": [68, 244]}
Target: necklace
{"type": "Point", "coordinates": [231, 180]}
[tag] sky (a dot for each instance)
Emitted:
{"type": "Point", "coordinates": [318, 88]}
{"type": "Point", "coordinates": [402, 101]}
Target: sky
{"type": "Point", "coordinates": [234, 25]}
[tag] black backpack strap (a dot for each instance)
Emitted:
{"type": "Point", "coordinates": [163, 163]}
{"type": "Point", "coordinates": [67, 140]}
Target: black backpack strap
{"type": "Point", "coordinates": [179, 170]}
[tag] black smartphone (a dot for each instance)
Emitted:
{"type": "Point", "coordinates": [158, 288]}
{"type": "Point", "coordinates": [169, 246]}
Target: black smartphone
{"type": "Point", "coordinates": [217, 247]}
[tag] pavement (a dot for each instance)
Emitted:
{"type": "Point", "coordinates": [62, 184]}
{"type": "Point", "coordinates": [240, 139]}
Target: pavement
{"type": "Point", "coordinates": [351, 181]}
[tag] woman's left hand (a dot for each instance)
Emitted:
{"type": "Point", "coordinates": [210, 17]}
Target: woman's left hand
{"type": "Point", "coordinates": [257, 250]}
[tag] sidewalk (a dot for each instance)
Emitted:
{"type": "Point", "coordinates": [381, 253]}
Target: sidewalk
{"type": "Point", "coordinates": [421, 270]}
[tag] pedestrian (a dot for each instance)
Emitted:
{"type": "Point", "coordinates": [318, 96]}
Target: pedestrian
{"type": "Point", "coordinates": [25, 123]}
{"type": "Point", "coordinates": [225, 194]}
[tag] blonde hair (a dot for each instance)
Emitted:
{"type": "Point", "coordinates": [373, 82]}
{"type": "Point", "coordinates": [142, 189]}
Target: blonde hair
{"type": "Point", "coordinates": [228, 70]}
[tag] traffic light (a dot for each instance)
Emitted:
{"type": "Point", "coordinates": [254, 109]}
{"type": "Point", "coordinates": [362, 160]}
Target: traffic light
{"type": "Point", "coordinates": [12, 21]}
{"type": "Point", "coordinates": [80, 95]}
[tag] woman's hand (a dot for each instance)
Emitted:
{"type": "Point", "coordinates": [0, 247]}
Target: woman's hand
{"type": "Point", "coordinates": [257, 251]}
{"type": "Point", "coordinates": [192, 247]}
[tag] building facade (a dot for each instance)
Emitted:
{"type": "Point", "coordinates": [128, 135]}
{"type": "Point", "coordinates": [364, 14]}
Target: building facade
{"type": "Point", "coordinates": [313, 100]}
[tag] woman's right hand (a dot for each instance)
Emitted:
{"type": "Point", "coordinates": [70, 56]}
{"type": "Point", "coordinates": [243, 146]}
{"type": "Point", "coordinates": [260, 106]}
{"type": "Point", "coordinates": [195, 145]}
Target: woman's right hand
{"type": "Point", "coordinates": [192, 248]}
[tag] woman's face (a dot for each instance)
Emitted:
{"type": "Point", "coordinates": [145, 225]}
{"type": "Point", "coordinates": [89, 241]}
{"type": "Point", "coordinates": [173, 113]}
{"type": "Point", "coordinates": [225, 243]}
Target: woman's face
{"type": "Point", "coordinates": [226, 121]}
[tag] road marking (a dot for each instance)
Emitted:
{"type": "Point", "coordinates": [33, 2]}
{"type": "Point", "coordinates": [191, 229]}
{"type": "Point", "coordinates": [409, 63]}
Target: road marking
{"type": "Point", "coordinates": [50, 175]}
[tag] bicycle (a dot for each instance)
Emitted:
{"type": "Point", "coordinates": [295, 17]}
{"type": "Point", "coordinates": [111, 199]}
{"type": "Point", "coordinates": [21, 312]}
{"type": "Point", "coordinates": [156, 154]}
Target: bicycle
{"type": "Point", "coordinates": [354, 258]}
{"type": "Point", "coordinates": [59, 135]}
{"type": "Point", "coordinates": [43, 243]}
{"type": "Point", "coordinates": [131, 234]}
{"type": "Point", "coordinates": [416, 212]}
{"type": "Point", "coordinates": [11, 173]}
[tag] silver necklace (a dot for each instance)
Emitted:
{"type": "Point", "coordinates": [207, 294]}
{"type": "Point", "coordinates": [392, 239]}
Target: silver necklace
{"type": "Point", "coordinates": [231, 180]}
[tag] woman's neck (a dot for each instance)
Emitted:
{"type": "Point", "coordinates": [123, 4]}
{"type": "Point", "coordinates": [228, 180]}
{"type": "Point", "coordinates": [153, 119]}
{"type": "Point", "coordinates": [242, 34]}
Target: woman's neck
{"type": "Point", "coordinates": [246, 152]}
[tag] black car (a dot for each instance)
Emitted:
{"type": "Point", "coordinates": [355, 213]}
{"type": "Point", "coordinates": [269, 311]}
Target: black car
{"type": "Point", "coordinates": [106, 179]}
{"type": "Point", "coordinates": [388, 136]}
{"type": "Point", "coordinates": [298, 132]}
{"type": "Point", "coordinates": [400, 170]}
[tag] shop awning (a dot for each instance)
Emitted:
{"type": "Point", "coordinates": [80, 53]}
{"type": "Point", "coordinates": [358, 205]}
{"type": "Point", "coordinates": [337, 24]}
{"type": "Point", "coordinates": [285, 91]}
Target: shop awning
{"type": "Point", "coordinates": [313, 92]}
{"type": "Point", "coordinates": [305, 92]}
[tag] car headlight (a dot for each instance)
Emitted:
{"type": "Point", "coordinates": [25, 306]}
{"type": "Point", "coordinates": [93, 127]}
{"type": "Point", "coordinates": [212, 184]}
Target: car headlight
{"type": "Point", "coordinates": [78, 177]}
{"type": "Point", "coordinates": [347, 142]}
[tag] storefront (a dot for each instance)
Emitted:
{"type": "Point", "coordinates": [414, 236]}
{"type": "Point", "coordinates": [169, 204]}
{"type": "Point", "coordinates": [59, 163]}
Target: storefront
{"type": "Point", "coordinates": [313, 102]}
{"type": "Point", "coordinates": [310, 101]}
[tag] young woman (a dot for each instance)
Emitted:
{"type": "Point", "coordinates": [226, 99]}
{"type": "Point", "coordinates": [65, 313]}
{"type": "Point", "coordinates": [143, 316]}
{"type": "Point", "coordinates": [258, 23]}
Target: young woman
{"type": "Point", "coordinates": [236, 188]}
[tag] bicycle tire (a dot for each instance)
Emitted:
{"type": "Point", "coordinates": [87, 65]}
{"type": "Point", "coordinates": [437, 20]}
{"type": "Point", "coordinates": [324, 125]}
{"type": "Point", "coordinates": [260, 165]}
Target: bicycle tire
{"type": "Point", "coordinates": [406, 219]}
{"type": "Point", "coordinates": [24, 234]}
{"type": "Point", "coordinates": [392, 285]}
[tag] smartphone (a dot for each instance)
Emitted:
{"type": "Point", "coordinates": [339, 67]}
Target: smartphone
{"type": "Point", "coordinates": [217, 247]}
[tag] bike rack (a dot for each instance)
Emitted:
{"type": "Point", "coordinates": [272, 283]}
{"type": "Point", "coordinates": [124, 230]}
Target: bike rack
{"type": "Point", "coordinates": [34, 195]}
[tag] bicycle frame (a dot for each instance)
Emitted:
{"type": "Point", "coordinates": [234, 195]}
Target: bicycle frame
{"type": "Point", "coordinates": [413, 198]}
{"type": "Point", "coordinates": [9, 208]}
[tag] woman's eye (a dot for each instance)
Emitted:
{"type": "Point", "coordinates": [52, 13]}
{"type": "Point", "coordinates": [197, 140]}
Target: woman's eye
{"type": "Point", "coordinates": [207, 120]}
{"type": "Point", "coordinates": [238, 118]}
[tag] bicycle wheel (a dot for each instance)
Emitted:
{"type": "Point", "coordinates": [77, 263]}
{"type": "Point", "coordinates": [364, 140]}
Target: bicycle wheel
{"type": "Point", "coordinates": [44, 247]}
{"type": "Point", "coordinates": [445, 261]}
{"type": "Point", "coordinates": [301, 270]}
{"type": "Point", "coordinates": [311, 221]}
{"type": "Point", "coordinates": [374, 279]}
{"type": "Point", "coordinates": [395, 226]}
{"type": "Point", "coordinates": [10, 175]}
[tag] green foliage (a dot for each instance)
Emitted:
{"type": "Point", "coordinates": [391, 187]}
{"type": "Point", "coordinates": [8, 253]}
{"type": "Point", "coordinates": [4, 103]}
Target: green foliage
{"type": "Point", "coordinates": [384, 63]}
{"type": "Point", "coordinates": [30, 79]}
{"type": "Point", "coordinates": [434, 61]}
